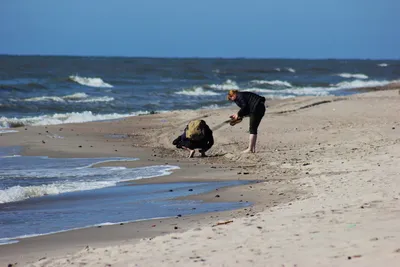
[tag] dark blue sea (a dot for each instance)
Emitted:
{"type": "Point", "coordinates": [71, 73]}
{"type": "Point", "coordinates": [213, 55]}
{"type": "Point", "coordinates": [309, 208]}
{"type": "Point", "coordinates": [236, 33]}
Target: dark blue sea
{"type": "Point", "coordinates": [38, 90]}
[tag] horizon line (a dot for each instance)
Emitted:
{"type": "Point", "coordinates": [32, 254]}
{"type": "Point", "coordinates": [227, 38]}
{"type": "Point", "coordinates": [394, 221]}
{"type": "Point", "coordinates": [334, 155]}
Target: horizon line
{"type": "Point", "coordinates": [194, 57]}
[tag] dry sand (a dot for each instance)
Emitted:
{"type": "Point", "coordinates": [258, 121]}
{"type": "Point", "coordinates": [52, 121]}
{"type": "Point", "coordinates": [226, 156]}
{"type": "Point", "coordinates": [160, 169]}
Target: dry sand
{"type": "Point", "coordinates": [327, 194]}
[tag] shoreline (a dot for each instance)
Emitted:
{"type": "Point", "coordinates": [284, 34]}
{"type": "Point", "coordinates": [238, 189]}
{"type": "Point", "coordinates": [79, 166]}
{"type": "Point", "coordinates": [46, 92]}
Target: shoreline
{"type": "Point", "coordinates": [316, 159]}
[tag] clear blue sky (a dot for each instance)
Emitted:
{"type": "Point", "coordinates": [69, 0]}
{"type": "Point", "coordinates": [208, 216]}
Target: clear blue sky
{"type": "Point", "coordinates": [202, 28]}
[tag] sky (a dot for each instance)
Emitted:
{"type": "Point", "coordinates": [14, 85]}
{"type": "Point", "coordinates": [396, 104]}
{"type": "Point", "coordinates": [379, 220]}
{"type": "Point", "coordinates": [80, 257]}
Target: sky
{"type": "Point", "coordinates": [312, 29]}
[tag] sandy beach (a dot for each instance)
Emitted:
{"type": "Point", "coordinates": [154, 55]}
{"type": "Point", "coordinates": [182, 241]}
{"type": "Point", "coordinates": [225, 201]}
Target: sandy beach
{"type": "Point", "coordinates": [326, 190]}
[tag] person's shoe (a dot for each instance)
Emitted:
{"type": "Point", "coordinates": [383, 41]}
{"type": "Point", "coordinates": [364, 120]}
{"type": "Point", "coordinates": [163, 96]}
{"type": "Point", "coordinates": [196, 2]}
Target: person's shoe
{"type": "Point", "coordinates": [191, 154]}
{"type": "Point", "coordinates": [233, 122]}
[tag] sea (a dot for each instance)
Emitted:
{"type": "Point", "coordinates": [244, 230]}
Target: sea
{"type": "Point", "coordinates": [42, 195]}
{"type": "Point", "coordinates": [44, 90]}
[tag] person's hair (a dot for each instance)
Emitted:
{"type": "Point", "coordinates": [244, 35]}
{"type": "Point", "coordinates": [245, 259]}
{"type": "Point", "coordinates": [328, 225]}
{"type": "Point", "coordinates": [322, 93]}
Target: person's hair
{"type": "Point", "coordinates": [232, 93]}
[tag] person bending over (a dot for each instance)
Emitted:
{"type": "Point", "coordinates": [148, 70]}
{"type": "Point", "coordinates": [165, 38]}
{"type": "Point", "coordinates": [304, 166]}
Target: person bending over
{"type": "Point", "coordinates": [251, 105]}
{"type": "Point", "coordinates": [196, 135]}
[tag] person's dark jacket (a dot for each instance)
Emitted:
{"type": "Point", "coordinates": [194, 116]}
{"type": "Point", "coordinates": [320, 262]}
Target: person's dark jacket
{"type": "Point", "coordinates": [248, 102]}
{"type": "Point", "coordinates": [205, 144]}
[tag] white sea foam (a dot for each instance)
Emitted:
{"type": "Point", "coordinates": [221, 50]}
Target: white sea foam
{"type": "Point", "coordinates": [315, 91]}
{"type": "Point", "coordinates": [383, 65]}
{"type": "Point", "coordinates": [214, 106]}
{"type": "Point", "coordinates": [293, 91]}
{"type": "Point", "coordinates": [18, 193]}
{"type": "Point", "coordinates": [7, 131]}
{"type": "Point", "coordinates": [75, 179]}
{"type": "Point", "coordinates": [92, 82]}
{"type": "Point", "coordinates": [291, 70]}
{"type": "Point", "coordinates": [44, 98]}
{"type": "Point", "coordinates": [96, 99]}
{"type": "Point", "coordinates": [61, 118]}
{"type": "Point", "coordinates": [10, 156]}
{"type": "Point", "coordinates": [77, 98]}
{"type": "Point", "coordinates": [227, 85]}
{"type": "Point", "coordinates": [275, 82]}
{"type": "Point", "coordinates": [197, 91]}
{"type": "Point", "coordinates": [7, 241]}
{"type": "Point", "coordinates": [360, 84]}
{"type": "Point", "coordinates": [356, 76]}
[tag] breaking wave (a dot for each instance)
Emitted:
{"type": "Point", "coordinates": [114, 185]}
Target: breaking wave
{"type": "Point", "coordinates": [71, 178]}
{"type": "Point", "coordinates": [77, 98]}
{"type": "Point", "coordinates": [227, 85]}
{"type": "Point", "coordinates": [92, 82]}
{"type": "Point", "coordinates": [276, 82]}
{"type": "Point", "coordinates": [316, 91]}
{"type": "Point", "coordinates": [72, 117]}
{"type": "Point", "coordinates": [291, 70]}
{"type": "Point", "coordinates": [356, 76]}
{"type": "Point", "coordinates": [197, 91]}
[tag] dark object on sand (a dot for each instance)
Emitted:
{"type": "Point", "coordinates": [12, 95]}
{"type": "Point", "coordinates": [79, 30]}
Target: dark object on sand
{"type": "Point", "coordinates": [233, 122]}
{"type": "Point", "coordinates": [223, 223]}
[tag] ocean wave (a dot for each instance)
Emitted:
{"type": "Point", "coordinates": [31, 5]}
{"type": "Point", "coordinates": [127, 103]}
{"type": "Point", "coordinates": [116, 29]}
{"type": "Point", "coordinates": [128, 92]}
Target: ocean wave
{"type": "Point", "coordinates": [73, 117]}
{"type": "Point", "coordinates": [18, 193]}
{"type": "Point", "coordinates": [356, 76]}
{"type": "Point", "coordinates": [323, 91]}
{"type": "Point", "coordinates": [197, 91]}
{"type": "Point", "coordinates": [212, 106]}
{"type": "Point", "coordinates": [106, 177]}
{"type": "Point", "coordinates": [92, 82]}
{"type": "Point", "coordinates": [276, 82]}
{"type": "Point", "coordinates": [291, 92]}
{"type": "Point", "coordinates": [317, 91]}
{"type": "Point", "coordinates": [361, 84]}
{"type": "Point", "coordinates": [43, 98]}
{"type": "Point", "coordinates": [77, 98]}
{"type": "Point", "coordinates": [383, 65]}
{"type": "Point", "coordinates": [227, 85]}
{"type": "Point", "coordinates": [291, 70]}
{"type": "Point", "coordinates": [87, 178]}
{"type": "Point", "coordinates": [96, 99]}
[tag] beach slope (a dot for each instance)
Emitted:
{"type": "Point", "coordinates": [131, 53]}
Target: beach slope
{"type": "Point", "coordinates": [333, 161]}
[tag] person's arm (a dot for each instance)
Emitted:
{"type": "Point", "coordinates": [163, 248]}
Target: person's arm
{"type": "Point", "coordinates": [177, 141]}
{"type": "Point", "coordinates": [183, 136]}
{"type": "Point", "coordinates": [242, 103]}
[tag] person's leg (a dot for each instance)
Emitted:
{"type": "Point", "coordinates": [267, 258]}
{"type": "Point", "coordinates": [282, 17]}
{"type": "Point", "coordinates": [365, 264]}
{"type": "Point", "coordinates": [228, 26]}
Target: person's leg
{"type": "Point", "coordinates": [255, 119]}
{"type": "Point", "coordinates": [191, 153]}
{"type": "Point", "coordinates": [204, 146]}
{"type": "Point", "coordinates": [189, 146]}
{"type": "Point", "coordinates": [253, 143]}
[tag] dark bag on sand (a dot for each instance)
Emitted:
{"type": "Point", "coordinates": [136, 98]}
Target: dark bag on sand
{"type": "Point", "coordinates": [195, 130]}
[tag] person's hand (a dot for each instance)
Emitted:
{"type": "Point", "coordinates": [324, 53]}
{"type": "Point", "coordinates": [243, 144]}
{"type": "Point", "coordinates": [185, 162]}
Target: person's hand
{"type": "Point", "coordinates": [234, 116]}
